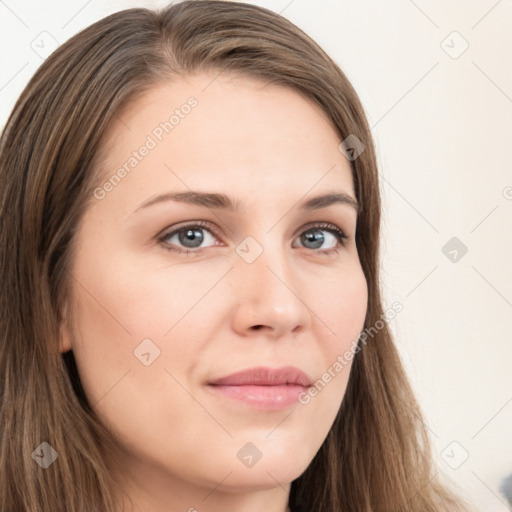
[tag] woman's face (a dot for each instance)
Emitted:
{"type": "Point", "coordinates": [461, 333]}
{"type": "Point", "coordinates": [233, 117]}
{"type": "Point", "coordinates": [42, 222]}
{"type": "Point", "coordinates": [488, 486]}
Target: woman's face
{"type": "Point", "coordinates": [153, 326]}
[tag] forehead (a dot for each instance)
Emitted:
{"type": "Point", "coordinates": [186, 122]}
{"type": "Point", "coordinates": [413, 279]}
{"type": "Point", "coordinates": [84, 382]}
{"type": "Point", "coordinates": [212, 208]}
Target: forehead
{"type": "Point", "coordinates": [224, 132]}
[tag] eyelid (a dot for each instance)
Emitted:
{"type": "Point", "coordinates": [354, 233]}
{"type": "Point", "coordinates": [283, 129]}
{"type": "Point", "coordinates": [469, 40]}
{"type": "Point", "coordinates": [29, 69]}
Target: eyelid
{"type": "Point", "coordinates": [189, 224]}
{"type": "Point", "coordinates": [320, 225]}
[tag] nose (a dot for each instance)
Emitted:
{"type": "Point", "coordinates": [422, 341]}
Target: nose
{"type": "Point", "coordinates": [269, 297]}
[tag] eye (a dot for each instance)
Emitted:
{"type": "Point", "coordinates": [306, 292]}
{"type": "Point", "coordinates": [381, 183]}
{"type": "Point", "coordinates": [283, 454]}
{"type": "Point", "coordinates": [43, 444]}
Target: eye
{"type": "Point", "coordinates": [190, 236]}
{"type": "Point", "coordinates": [314, 238]}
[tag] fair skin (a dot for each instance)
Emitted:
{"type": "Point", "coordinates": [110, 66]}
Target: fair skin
{"type": "Point", "coordinates": [269, 149]}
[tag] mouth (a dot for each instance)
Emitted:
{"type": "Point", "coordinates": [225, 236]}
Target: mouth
{"type": "Point", "coordinates": [263, 388]}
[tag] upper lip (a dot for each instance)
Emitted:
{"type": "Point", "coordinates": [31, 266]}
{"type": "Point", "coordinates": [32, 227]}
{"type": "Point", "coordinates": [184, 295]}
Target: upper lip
{"type": "Point", "coordinates": [262, 376]}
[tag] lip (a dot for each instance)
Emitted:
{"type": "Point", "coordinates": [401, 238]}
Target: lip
{"type": "Point", "coordinates": [263, 388]}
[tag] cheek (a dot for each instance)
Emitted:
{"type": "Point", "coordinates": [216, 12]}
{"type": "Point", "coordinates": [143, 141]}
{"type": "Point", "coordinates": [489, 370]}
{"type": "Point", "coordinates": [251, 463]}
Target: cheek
{"type": "Point", "coordinates": [345, 312]}
{"type": "Point", "coordinates": [344, 305]}
{"type": "Point", "coordinates": [156, 298]}
{"type": "Point", "coordinates": [126, 316]}
{"type": "Point", "coordinates": [131, 372]}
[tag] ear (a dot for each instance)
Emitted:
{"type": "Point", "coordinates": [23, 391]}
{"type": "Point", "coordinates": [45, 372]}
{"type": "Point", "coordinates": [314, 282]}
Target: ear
{"type": "Point", "coordinates": [65, 331]}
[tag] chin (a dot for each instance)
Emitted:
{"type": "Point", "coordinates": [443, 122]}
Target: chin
{"type": "Point", "coordinates": [266, 475]}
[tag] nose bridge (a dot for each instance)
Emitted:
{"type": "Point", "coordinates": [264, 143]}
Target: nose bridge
{"type": "Point", "coordinates": [266, 286]}
{"type": "Point", "coordinates": [265, 262]}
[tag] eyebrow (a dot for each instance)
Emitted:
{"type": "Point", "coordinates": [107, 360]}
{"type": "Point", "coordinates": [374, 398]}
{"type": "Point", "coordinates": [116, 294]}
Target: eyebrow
{"type": "Point", "coordinates": [224, 202]}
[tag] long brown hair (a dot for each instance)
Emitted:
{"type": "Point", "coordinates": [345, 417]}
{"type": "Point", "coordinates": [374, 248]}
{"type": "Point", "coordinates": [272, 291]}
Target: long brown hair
{"type": "Point", "coordinates": [376, 456]}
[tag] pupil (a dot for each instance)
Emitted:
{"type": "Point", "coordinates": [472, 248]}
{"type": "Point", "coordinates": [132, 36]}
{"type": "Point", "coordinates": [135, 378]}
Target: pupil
{"type": "Point", "coordinates": [189, 236]}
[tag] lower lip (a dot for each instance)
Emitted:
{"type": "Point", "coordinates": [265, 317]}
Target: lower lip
{"type": "Point", "coordinates": [262, 397]}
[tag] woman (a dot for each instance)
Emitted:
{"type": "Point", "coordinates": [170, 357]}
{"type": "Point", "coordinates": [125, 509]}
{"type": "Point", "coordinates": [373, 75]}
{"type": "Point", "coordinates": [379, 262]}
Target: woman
{"type": "Point", "coordinates": [191, 319]}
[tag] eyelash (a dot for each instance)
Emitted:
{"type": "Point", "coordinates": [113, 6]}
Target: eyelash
{"type": "Point", "coordinates": [340, 235]}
